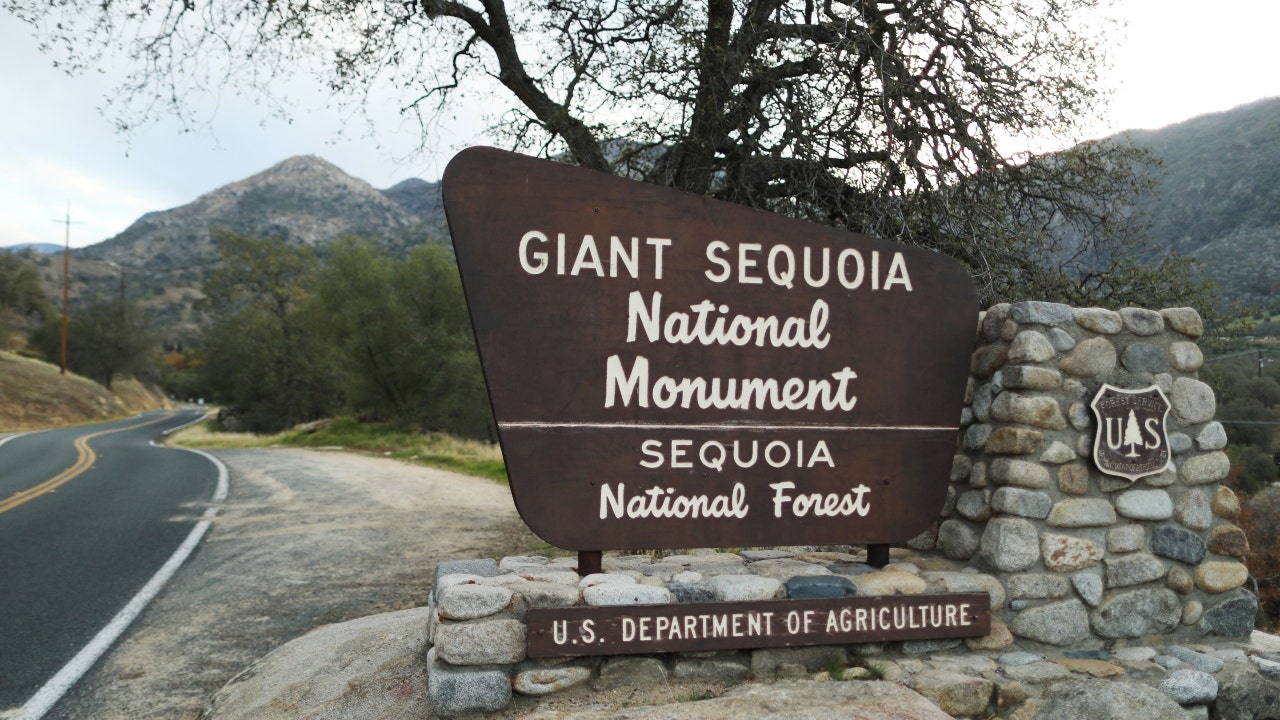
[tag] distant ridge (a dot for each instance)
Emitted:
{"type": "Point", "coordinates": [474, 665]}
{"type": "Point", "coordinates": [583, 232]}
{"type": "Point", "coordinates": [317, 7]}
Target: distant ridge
{"type": "Point", "coordinates": [418, 197]}
{"type": "Point", "coordinates": [1218, 197]}
{"type": "Point", "coordinates": [304, 199]}
{"type": "Point", "coordinates": [42, 248]}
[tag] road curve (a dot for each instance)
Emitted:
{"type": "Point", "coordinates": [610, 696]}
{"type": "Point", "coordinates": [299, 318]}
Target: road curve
{"type": "Point", "coordinates": [88, 515]}
{"type": "Point", "coordinates": [305, 538]}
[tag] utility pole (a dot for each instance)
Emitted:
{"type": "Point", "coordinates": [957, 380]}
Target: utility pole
{"type": "Point", "coordinates": [66, 281]}
{"type": "Point", "coordinates": [122, 295]}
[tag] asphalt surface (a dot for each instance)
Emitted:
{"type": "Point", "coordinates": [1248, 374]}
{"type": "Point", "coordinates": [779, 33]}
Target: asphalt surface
{"type": "Point", "coordinates": [304, 538]}
{"type": "Point", "coordinates": [87, 516]}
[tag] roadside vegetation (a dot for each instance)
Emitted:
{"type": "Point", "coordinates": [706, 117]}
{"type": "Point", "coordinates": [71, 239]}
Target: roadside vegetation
{"type": "Point", "coordinates": [1245, 376]}
{"type": "Point", "coordinates": [22, 300]}
{"type": "Point", "coordinates": [432, 449]}
{"type": "Point", "coordinates": [295, 336]}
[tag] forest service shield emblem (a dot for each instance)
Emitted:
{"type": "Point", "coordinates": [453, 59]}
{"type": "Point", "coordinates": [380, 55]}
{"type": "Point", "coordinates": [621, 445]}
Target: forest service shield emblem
{"type": "Point", "coordinates": [1132, 439]}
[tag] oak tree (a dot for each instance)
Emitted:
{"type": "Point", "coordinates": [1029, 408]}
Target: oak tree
{"type": "Point", "coordinates": [881, 116]}
{"type": "Point", "coordinates": [400, 330]}
{"type": "Point", "coordinates": [22, 299]}
{"type": "Point", "coordinates": [106, 339]}
{"type": "Point", "coordinates": [262, 353]}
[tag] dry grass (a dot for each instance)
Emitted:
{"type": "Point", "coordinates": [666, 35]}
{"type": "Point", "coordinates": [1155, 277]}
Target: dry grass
{"type": "Point", "coordinates": [34, 395]}
{"type": "Point", "coordinates": [431, 449]}
{"type": "Point", "coordinates": [203, 435]}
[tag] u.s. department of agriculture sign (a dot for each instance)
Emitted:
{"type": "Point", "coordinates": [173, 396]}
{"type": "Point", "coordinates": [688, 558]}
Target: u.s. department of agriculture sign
{"type": "Point", "coordinates": [668, 370]}
{"type": "Point", "coordinates": [676, 627]}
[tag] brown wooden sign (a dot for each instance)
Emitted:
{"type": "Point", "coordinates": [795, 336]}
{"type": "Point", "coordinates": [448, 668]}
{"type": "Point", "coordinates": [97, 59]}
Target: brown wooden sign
{"type": "Point", "coordinates": [667, 370]}
{"type": "Point", "coordinates": [622, 630]}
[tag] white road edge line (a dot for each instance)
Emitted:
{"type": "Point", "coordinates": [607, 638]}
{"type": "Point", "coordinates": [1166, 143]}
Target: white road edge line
{"type": "Point", "coordinates": [4, 440]}
{"type": "Point", "coordinates": [57, 686]}
{"type": "Point", "coordinates": [173, 430]}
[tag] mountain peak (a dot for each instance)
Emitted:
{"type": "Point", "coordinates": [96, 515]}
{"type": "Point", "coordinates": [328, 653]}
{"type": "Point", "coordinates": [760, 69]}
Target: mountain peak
{"type": "Point", "coordinates": [302, 171]}
{"type": "Point", "coordinates": [413, 184]}
{"type": "Point", "coordinates": [418, 197]}
{"type": "Point", "coordinates": [304, 199]}
{"type": "Point", "coordinates": [303, 164]}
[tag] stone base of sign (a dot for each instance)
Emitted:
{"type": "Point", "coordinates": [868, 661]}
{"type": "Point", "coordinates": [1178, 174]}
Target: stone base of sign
{"type": "Point", "coordinates": [477, 611]}
{"type": "Point", "coordinates": [478, 608]}
{"type": "Point", "coordinates": [385, 666]}
{"type": "Point", "coordinates": [1086, 556]}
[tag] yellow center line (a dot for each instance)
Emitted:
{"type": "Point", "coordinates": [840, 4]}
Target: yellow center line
{"type": "Point", "coordinates": [84, 460]}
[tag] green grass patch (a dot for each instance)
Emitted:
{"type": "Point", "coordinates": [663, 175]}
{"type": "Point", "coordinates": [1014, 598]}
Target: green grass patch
{"type": "Point", "coordinates": [437, 450]}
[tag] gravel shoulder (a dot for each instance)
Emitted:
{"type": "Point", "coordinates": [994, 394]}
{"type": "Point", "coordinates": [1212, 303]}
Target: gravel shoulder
{"type": "Point", "coordinates": [305, 538]}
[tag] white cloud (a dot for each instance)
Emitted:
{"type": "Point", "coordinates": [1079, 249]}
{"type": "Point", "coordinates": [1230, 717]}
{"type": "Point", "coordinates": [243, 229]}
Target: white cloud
{"type": "Point", "coordinates": [39, 191]}
{"type": "Point", "coordinates": [56, 147]}
{"type": "Point", "coordinates": [1180, 58]}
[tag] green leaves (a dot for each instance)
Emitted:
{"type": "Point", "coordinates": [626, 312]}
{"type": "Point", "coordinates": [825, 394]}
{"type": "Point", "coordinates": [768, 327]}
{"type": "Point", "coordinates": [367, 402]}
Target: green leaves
{"type": "Point", "coordinates": [262, 353]}
{"type": "Point", "coordinates": [105, 339]}
{"type": "Point", "coordinates": [20, 290]}
{"type": "Point", "coordinates": [403, 333]}
{"type": "Point", "coordinates": [21, 298]}
{"type": "Point", "coordinates": [293, 340]}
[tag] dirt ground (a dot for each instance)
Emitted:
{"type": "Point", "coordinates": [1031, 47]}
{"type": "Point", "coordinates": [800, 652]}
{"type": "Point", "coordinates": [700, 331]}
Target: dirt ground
{"type": "Point", "coordinates": [305, 538]}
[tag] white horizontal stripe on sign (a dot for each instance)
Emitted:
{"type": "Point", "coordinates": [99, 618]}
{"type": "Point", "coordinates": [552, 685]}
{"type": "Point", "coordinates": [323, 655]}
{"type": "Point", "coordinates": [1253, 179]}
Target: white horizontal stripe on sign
{"type": "Point", "coordinates": [537, 425]}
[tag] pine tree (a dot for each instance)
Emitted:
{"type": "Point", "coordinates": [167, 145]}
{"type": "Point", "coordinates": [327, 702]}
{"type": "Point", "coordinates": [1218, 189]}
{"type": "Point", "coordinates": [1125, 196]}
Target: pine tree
{"type": "Point", "coordinates": [1132, 435]}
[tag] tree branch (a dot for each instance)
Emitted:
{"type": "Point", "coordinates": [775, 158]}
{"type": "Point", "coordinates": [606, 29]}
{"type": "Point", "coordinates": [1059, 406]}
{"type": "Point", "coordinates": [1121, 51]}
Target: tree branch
{"type": "Point", "coordinates": [494, 29]}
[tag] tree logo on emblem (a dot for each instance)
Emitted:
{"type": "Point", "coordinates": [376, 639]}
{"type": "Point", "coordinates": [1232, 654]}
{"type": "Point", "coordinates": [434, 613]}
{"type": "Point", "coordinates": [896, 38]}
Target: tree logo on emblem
{"type": "Point", "coordinates": [1132, 439]}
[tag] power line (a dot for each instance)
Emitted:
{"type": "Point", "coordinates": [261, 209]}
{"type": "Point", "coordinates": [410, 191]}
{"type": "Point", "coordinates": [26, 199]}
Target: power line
{"type": "Point", "coordinates": [1231, 355]}
{"type": "Point", "coordinates": [1258, 351]}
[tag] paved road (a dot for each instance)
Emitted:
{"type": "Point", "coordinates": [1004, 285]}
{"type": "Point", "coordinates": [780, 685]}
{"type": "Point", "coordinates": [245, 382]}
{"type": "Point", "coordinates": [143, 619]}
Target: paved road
{"type": "Point", "coordinates": [304, 538]}
{"type": "Point", "coordinates": [87, 517]}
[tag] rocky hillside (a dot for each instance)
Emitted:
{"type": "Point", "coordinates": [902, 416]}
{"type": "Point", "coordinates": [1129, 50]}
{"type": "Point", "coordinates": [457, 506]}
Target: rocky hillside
{"type": "Point", "coordinates": [304, 199]}
{"type": "Point", "coordinates": [165, 256]}
{"type": "Point", "coordinates": [421, 198]}
{"type": "Point", "coordinates": [1218, 197]}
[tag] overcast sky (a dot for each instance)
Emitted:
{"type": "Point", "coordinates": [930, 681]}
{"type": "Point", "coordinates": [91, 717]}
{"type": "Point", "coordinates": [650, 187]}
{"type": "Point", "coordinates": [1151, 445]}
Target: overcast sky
{"type": "Point", "coordinates": [1176, 61]}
